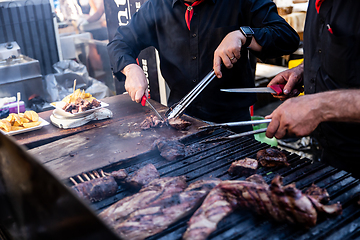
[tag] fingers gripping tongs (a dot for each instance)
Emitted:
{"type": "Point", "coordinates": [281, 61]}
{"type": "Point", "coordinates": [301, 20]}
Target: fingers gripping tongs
{"type": "Point", "coordinates": [178, 109]}
{"type": "Point", "coordinates": [233, 124]}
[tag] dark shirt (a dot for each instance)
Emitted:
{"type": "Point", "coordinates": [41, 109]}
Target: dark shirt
{"type": "Point", "coordinates": [187, 56]}
{"type": "Point", "coordinates": [331, 61]}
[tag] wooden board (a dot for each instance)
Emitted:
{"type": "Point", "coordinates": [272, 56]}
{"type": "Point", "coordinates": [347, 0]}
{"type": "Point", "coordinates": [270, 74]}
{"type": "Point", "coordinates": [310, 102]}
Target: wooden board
{"type": "Point", "coordinates": [107, 141]}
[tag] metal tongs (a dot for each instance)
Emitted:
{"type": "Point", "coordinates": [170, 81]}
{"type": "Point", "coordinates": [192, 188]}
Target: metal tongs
{"type": "Point", "coordinates": [233, 124]}
{"type": "Point", "coordinates": [178, 108]}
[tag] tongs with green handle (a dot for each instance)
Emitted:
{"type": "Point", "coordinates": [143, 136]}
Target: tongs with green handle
{"type": "Point", "coordinates": [233, 124]}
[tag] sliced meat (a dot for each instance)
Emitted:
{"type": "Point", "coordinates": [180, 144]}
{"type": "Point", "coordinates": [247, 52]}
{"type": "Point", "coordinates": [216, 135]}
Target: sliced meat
{"type": "Point", "coordinates": [142, 176]}
{"type": "Point", "coordinates": [119, 211]}
{"type": "Point", "coordinates": [95, 103]}
{"type": "Point", "coordinates": [243, 167]}
{"type": "Point", "coordinates": [151, 122]}
{"type": "Point", "coordinates": [271, 157]}
{"type": "Point", "coordinates": [170, 150]}
{"type": "Point", "coordinates": [164, 211]}
{"type": "Point", "coordinates": [282, 203]}
{"type": "Point", "coordinates": [178, 123]}
{"type": "Point", "coordinates": [320, 194]}
{"type": "Point", "coordinates": [96, 189]}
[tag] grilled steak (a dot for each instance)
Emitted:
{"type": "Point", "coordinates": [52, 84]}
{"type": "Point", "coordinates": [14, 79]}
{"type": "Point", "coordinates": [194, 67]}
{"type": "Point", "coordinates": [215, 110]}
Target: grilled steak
{"type": "Point", "coordinates": [164, 211]}
{"type": "Point", "coordinates": [243, 167]}
{"type": "Point", "coordinates": [151, 122]}
{"type": "Point", "coordinates": [256, 178]}
{"type": "Point", "coordinates": [96, 189]}
{"type": "Point", "coordinates": [282, 203]}
{"type": "Point", "coordinates": [271, 157]}
{"type": "Point", "coordinates": [170, 150]}
{"type": "Point", "coordinates": [119, 211]}
{"type": "Point", "coordinates": [178, 123]}
{"type": "Point", "coordinates": [142, 176]}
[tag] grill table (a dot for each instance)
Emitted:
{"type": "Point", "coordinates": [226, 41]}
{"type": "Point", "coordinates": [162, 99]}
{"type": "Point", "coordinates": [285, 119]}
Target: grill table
{"type": "Point", "coordinates": [115, 143]}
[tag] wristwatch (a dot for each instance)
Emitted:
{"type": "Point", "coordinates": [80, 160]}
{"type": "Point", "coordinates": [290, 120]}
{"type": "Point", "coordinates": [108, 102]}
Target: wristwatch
{"type": "Point", "coordinates": [248, 33]}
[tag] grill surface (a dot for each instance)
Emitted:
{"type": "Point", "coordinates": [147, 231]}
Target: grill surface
{"type": "Point", "coordinates": [214, 159]}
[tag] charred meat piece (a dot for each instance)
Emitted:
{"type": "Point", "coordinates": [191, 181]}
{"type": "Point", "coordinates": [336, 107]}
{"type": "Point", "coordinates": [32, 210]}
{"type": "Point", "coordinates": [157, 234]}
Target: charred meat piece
{"type": "Point", "coordinates": [119, 174]}
{"type": "Point", "coordinates": [96, 189]}
{"type": "Point", "coordinates": [95, 103]}
{"type": "Point", "coordinates": [243, 167]}
{"type": "Point", "coordinates": [169, 149]}
{"type": "Point", "coordinates": [151, 122]}
{"type": "Point", "coordinates": [178, 123]}
{"type": "Point", "coordinates": [256, 178]}
{"type": "Point", "coordinates": [164, 211]}
{"type": "Point", "coordinates": [119, 211]}
{"type": "Point", "coordinates": [142, 176]}
{"type": "Point", "coordinates": [203, 222]}
{"type": "Point", "coordinates": [320, 194]}
{"type": "Point", "coordinates": [282, 203]}
{"type": "Point", "coordinates": [271, 157]}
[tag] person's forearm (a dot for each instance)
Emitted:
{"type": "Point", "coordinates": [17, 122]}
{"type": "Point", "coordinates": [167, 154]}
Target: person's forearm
{"type": "Point", "coordinates": [340, 105]}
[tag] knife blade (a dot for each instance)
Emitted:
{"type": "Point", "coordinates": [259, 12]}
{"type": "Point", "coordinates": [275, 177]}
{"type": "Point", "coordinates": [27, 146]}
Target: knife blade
{"type": "Point", "coordinates": [144, 100]}
{"type": "Point", "coordinates": [274, 89]}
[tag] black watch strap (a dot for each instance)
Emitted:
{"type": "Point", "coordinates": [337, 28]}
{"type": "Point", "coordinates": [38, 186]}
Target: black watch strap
{"type": "Point", "coordinates": [248, 33]}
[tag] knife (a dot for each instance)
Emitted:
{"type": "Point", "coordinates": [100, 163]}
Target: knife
{"type": "Point", "coordinates": [144, 100]}
{"type": "Point", "coordinates": [274, 89]}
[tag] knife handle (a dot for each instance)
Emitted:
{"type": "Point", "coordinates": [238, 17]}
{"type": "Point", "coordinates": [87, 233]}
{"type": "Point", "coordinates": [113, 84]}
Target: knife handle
{"type": "Point", "coordinates": [143, 100]}
{"type": "Point", "coordinates": [278, 88]}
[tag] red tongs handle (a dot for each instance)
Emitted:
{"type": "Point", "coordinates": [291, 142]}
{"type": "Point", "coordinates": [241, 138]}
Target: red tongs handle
{"type": "Point", "coordinates": [143, 100]}
{"type": "Point", "coordinates": [278, 88]}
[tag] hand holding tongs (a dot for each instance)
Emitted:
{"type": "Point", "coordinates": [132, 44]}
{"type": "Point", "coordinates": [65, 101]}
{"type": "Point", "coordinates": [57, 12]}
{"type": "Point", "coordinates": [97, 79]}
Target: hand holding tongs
{"type": "Point", "coordinates": [233, 124]}
{"type": "Point", "coordinates": [177, 109]}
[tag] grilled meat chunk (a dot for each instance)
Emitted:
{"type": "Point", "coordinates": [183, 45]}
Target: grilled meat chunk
{"type": "Point", "coordinates": [256, 178]}
{"type": "Point", "coordinates": [282, 203]}
{"type": "Point", "coordinates": [178, 123]}
{"type": "Point", "coordinates": [119, 211]}
{"type": "Point", "coordinates": [151, 122]}
{"type": "Point", "coordinates": [170, 150]}
{"type": "Point", "coordinates": [320, 194]}
{"type": "Point", "coordinates": [164, 211]}
{"type": "Point", "coordinates": [243, 167]}
{"type": "Point", "coordinates": [96, 189]}
{"type": "Point", "coordinates": [119, 174]}
{"type": "Point", "coordinates": [142, 176]}
{"type": "Point", "coordinates": [271, 157]}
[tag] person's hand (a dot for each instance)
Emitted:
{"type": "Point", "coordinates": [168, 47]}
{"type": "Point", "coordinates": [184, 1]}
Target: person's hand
{"type": "Point", "coordinates": [135, 84]}
{"type": "Point", "coordinates": [292, 78]}
{"type": "Point", "coordinates": [81, 21]}
{"type": "Point", "coordinates": [228, 51]}
{"type": "Point", "coordinates": [295, 117]}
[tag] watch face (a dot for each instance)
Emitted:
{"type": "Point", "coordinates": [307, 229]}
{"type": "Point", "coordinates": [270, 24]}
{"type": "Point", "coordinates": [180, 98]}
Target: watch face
{"type": "Point", "coordinates": [247, 30]}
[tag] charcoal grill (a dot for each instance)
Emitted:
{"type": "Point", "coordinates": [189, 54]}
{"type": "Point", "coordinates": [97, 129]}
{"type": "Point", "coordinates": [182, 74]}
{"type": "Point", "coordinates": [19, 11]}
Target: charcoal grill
{"type": "Point", "coordinates": [214, 159]}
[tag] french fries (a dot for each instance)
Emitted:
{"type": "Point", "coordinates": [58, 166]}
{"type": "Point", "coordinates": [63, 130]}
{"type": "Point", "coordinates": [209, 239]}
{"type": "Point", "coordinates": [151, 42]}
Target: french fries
{"type": "Point", "coordinates": [71, 98]}
{"type": "Point", "coordinates": [20, 121]}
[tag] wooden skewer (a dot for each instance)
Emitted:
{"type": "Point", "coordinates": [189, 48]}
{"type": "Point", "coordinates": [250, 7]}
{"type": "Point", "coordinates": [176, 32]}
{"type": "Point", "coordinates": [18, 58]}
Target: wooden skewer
{"type": "Point", "coordinates": [96, 174]}
{"type": "Point", "coordinates": [86, 176]}
{"type": "Point", "coordinates": [18, 102]}
{"type": "Point", "coordinates": [74, 182]}
{"type": "Point", "coordinates": [74, 85]}
{"type": "Point", "coordinates": [81, 180]}
{"type": "Point", "coordinates": [91, 175]}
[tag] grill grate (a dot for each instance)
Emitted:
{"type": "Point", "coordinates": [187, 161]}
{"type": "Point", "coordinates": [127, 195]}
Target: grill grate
{"type": "Point", "coordinates": [213, 160]}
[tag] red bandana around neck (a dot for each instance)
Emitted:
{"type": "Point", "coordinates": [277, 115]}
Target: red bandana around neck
{"type": "Point", "coordinates": [190, 11]}
{"type": "Point", "coordinates": [318, 5]}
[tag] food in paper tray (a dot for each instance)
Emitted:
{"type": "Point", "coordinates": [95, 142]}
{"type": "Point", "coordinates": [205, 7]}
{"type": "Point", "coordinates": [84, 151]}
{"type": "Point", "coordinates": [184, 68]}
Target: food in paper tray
{"type": "Point", "coordinates": [79, 101]}
{"type": "Point", "coordinates": [20, 121]}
